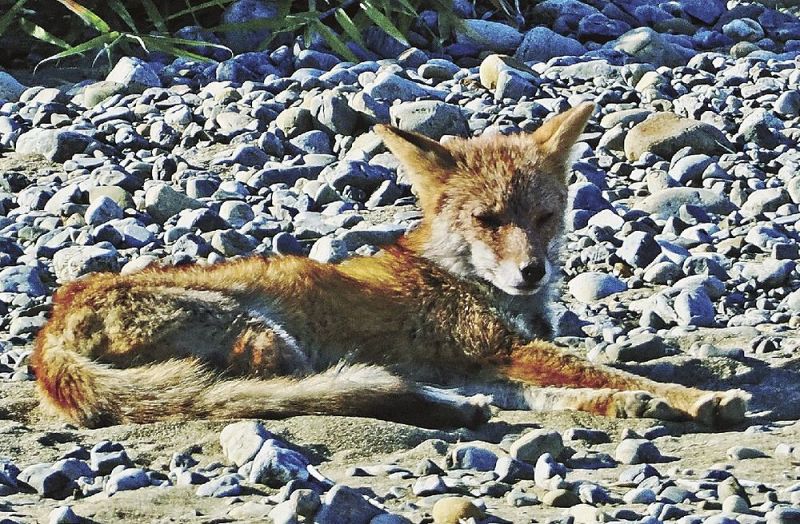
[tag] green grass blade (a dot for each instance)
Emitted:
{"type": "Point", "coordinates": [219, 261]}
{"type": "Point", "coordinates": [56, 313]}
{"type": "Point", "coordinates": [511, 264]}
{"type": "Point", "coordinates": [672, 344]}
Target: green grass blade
{"type": "Point", "coordinates": [96, 42]}
{"type": "Point", "coordinates": [348, 26]}
{"type": "Point", "coordinates": [154, 15]}
{"type": "Point", "coordinates": [8, 17]}
{"type": "Point", "coordinates": [41, 34]}
{"type": "Point", "coordinates": [384, 23]}
{"type": "Point", "coordinates": [167, 42]}
{"type": "Point", "coordinates": [194, 9]}
{"type": "Point", "coordinates": [87, 15]}
{"type": "Point", "coordinates": [119, 8]}
{"type": "Point", "coordinates": [335, 43]}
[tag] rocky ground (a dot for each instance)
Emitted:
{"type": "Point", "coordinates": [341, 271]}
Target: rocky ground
{"type": "Point", "coordinates": [680, 263]}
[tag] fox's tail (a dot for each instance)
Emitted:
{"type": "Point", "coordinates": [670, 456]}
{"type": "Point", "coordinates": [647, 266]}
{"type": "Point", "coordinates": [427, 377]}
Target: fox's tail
{"type": "Point", "coordinates": [93, 394]}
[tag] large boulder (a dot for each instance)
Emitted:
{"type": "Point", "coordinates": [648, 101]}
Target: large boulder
{"type": "Point", "coordinates": [663, 134]}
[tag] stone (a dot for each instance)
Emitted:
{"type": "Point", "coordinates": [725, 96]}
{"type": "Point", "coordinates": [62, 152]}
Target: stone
{"type": "Point", "coordinates": [334, 114]}
{"type": "Point", "coordinates": [275, 465]}
{"type": "Point", "coordinates": [693, 307]}
{"type": "Point", "coordinates": [648, 46]}
{"type": "Point", "coordinates": [765, 201]}
{"type": "Point", "coordinates": [744, 453]}
{"type": "Point", "coordinates": [126, 480]}
{"type": "Point", "coordinates": [241, 40]}
{"type": "Point", "coordinates": [473, 457]}
{"type": "Point", "coordinates": [735, 504]}
{"type": "Point", "coordinates": [389, 86]}
{"type": "Point", "coordinates": [223, 486]}
{"type": "Point", "coordinates": [663, 134]}
{"type": "Point", "coordinates": [667, 202]}
{"type": "Point", "coordinates": [452, 510]}
{"type": "Point", "coordinates": [46, 482]}
{"type": "Point", "coordinates": [494, 64]}
{"type": "Point", "coordinates": [488, 35]}
{"type": "Point", "coordinates": [429, 485]}
{"type": "Point", "coordinates": [56, 145]}
{"type": "Point", "coordinates": [72, 262]}
{"type": "Point", "coordinates": [10, 88]}
{"type": "Point", "coordinates": [22, 279]}
{"type": "Point", "coordinates": [162, 202]}
{"type": "Point", "coordinates": [135, 74]}
{"type": "Point", "coordinates": [431, 118]}
{"type": "Point", "coordinates": [705, 11]}
{"type": "Point", "coordinates": [637, 451]}
{"type": "Point", "coordinates": [241, 441]}
{"type": "Point", "coordinates": [639, 249]}
{"type": "Point", "coordinates": [101, 211]}
{"type": "Point", "coordinates": [535, 443]}
{"type": "Point", "coordinates": [541, 44]}
{"type": "Point", "coordinates": [641, 347]}
{"type": "Point", "coordinates": [592, 285]}
{"type": "Point", "coordinates": [63, 515]}
{"type": "Point", "coordinates": [743, 29]}
{"type": "Point", "coordinates": [344, 504]}
{"type": "Point", "coordinates": [560, 498]}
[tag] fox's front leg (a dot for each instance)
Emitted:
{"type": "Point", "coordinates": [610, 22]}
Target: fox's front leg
{"type": "Point", "coordinates": [609, 391]}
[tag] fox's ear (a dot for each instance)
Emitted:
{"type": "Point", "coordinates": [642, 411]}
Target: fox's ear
{"type": "Point", "coordinates": [429, 163]}
{"type": "Point", "coordinates": [556, 137]}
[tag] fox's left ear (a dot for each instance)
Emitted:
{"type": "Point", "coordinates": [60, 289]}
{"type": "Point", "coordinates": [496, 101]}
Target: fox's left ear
{"type": "Point", "coordinates": [556, 137]}
{"type": "Point", "coordinates": [428, 162]}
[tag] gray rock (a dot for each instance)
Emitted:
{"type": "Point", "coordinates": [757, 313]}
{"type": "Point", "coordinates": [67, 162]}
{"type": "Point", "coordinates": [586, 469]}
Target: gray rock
{"type": "Point", "coordinates": [511, 84]}
{"type": "Point", "coordinates": [690, 168]}
{"type": "Point", "coordinates": [694, 308]}
{"type": "Point", "coordinates": [71, 262]}
{"type": "Point", "coordinates": [646, 45]}
{"type": "Point", "coordinates": [535, 443]}
{"type": "Point", "coordinates": [377, 235]}
{"type": "Point", "coordinates": [764, 201]}
{"type": "Point", "coordinates": [548, 474]}
{"type": "Point", "coordinates": [10, 88]}
{"type": "Point", "coordinates": [663, 134]}
{"type": "Point", "coordinates": [46, 482]}
{"type": "Point", "coordinates": [63, 515]}
{"type": "Point", "coordinates": [313, 142]}
{"type": "Point", "coordinates": [135, 74]}
{"type": "Point", "coordinates": [101, 211]}
{"type": "Point", "coordinates": [667, 202]}
{"type": "Point", "coordinates": [637, 451]}
{"type": "Point", "coordinates": [638, 348]}
{"type": "Point", "coordinates": [769, 273]}
{"type": "Point", "coordinates": [640, 496]}
{"type": "Point", "coordinates": [743, 29]}
{"type": "Point", "coordinates": [488, 35]}
{"type": "Point", "coordinates": [706, 11]}
{"type": "Point", "coordinates": [344, 504]}
{"type": "Point", "coordinates": [223, 486]}
{"type": "Point", "coordinates": [389, 86]}
{"type": "Point", "coordinates": [472, 457]}
{"type": "Point", "coordinates": [744, 453]}
{"type": "Point", "coordinates": [22, 279]}
{"type": "Point", "coordinates": [585, 195]}
{"type": "Point", "coordinates": [163, 202]}
{"type": "Point", "coordinates": [334, 114]}
{"type": "Point", "coordinates": [241, 441]}
{"type": "Point", "coordinates": [328, 250]}
{"type": "Point", "coordinates": [275, 465]}
{"type": "Point", "coordinates": [73, 468]}
{"type": "Point", "coordinates": [541, 44]}
{"type": "Point", "coordinates": [591, 286]}
{"type": "Point", "coordinates": [429, 485]}
{"type": "Point", "coordinates": [639, 249]}
{"type": "Point", "coordinates": [126, 480]}
{"type": "Point", "coordinates": [431, 118]}
{"type": "Point", "coordinates": [56, 145]}
{"type": "Point", "coordinates": [244, 39]}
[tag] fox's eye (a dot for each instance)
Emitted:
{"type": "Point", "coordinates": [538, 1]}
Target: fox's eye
{"type": "Point", "coordinates": [489, 220]}
{"type": "Point", "coordinates": [543, 219]}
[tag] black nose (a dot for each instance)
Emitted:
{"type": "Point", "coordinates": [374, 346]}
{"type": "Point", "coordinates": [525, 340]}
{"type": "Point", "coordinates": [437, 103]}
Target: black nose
{"type": "Point", "coordinates": [533, 273]}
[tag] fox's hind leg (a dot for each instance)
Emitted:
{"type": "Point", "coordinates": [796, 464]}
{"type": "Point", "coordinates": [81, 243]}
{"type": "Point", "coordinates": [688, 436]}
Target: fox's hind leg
{"type": "Point", "coordinates": [619, 393]}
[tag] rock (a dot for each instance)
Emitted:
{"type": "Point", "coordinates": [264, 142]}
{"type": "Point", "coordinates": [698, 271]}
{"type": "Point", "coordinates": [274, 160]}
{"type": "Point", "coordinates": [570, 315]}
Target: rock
{"type": "Point", "coordinates": [389, 86]}
{"type": "Point", "coordinates": [694, 308]}
{"type": "Point", "coordinates": [637, 451]}
{"type": "Point", "coordinates": [135, 74]}
{"type": "Point", "coordinates": [10, 88]}
{"type": "Point", "coordinates": [22, 279]}
{"type": "Point", "coordinates": [641, 347]}
{"type": "Point", "coordinates": [244, 39]}
{"type": "Point", "coordinates": [493, 65]}
{"type": "Point", "coordinates": [510, 470]}
{"type": "Point", "coordinates": [241, 441]}
{"type": "Point", "coordinates": [707, 12]}
{"type": "Point", "coordinates": [592, 285]}
{"type": "Point", "coordinates": [560, 498]}
{"type": "Point", "coordinates": [101, 211]}
{"type": "Point", "coordinates": [640, 496]}
{"type": "Point", "coordinates": [452, 510]}
{"type": "Point", "coordinates": [275, 465]}
{"type": "Point", "coordinates": [163, 202]}
{"type": "Point", "coordinates": [431, 118]}
{"type": "Point", "coordinates": [56, 145]}
{"type": "Point", "coordinates": [663, 134]}
{"type": "Point", "coordinates": [744, 453]}
{"type": "Point", "coordinates": [735, 504]}
{"type": "Point", "coordinates": [344, 504]}
{"type": "Point", "coordinates": [429, 485]}
{"type": "Point", "coordinates": [126, 480]}
{"type": "Point", "coordinates": [533, 444]}
{"type": "Point", "coordinates": [689, 168]}
{"type": "Point", "coordinates": [63, 515]}
{"type": "Point", "coordinates": [548, 473]}
{"type": "Point", "coordinates": [769, 273]}
{"type": "Point", "coordinates": [72, 262]}
{"type": "Point", "coordinates": [639, 249]}
{"type": "Point", "coordinates": [488, 35]}
{"type": "Point", "coordinates": [223, 486]}
{"type": "Point", "coordinates": [743, 29]}
{"type": "Point", "coordinates": [46, 482]}
{"type": "Point", "coordinates": [541, 44]}
{"type": "Point", "coordinates": [765, 201]}
{"type": "Point", "coordinates": [473, 457]}
{"type": "Point", "coordinates": [334, 114]}
{"type": "Point", "coordinates": [648, 46]}
{"type": "Point", "coordinates": [667, 202]}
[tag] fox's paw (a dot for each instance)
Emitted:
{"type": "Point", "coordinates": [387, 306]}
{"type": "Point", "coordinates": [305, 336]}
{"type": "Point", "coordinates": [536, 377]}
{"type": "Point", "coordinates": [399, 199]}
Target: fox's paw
{"type": "Point", "coordinates": [641, 404]}
{"type": "Point", "coordinates": [721, 409]}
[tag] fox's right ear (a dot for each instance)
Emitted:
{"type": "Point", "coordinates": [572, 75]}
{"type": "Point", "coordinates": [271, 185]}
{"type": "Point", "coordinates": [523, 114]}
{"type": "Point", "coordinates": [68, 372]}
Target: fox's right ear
{"type": "Point", "coordinates": [428, 162]}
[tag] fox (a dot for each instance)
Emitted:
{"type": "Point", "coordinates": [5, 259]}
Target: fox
{"type": "Point", "coordinates": [433, 330]}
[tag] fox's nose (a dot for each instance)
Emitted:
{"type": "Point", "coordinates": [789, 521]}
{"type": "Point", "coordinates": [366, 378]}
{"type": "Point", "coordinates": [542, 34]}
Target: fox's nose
{"type": "Point", "coordinates": [533, 273]}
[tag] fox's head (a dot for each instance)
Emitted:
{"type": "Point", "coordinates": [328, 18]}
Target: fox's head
{"type": "Point", "coordinates": [493, 206]}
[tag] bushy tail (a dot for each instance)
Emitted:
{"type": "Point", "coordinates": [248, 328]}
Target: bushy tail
{"type": "Point", "coordinates": [93, 394]}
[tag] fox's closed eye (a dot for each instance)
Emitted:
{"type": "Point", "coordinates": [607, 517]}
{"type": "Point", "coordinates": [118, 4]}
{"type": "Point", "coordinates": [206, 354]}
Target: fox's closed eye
{"type": "Point", "coordinates": [489, 220]}
{"type": "Point", "coordinates": [544, 219]}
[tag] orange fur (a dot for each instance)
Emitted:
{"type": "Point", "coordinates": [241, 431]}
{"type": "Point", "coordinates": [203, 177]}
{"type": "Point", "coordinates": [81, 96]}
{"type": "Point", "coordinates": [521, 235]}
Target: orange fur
{"type": "Point", "coordinates": [460, 301]}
